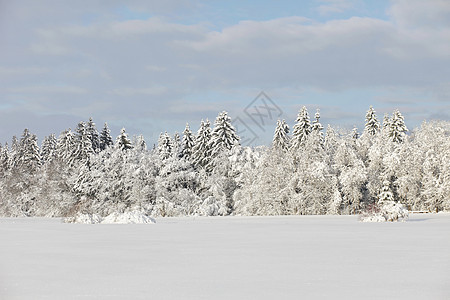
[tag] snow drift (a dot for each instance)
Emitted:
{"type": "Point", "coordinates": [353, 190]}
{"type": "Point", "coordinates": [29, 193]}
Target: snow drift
{"type": "Point", "coordinates": [130, 217]}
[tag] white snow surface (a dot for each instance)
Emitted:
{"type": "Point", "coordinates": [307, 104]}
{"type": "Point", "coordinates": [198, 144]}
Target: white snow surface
{"type": "Point", "coordinates": [293, 257]}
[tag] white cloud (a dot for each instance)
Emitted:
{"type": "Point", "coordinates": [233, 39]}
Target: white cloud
{"type": "Point", "coordinates": [155, 64]}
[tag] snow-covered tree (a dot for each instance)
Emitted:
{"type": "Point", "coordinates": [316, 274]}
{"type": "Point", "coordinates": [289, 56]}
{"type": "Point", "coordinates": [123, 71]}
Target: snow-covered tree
{"type": "Point", "coordinates": [187, 143]}
{"type": "Point", "coordinates": [176, 145]}
{"type": "Point", "coordinates": [48, 148]}
{"type": "Point", "coordinates": [201, 149]}
{"type": "Point", "coordinates": [93, 135]}
{"type": "Point", "coordinates": [281, 136]}
{"type": "Point", "coordinates": [105, 138]}
{"type": "Point", "coordinates": [122, 141]}
{"type": "Point", "coordinates": [83, 148]}
{"type": "Point", "coordinates": [165, 146]}
{"type": "Point", "coordinates": [317, 127]}
{"type": "Point", "coordinates": [139, 143]}
{"type": "Point", "coordinates": [372, 125]}
{"type": "Point", "coordinates": [397, 127]}
{"type": "Point", "coordinates": [301, 129]}
{"type": "Point", "coordinates": [223, 136]}
{"type": "Point", "coordinates": [30, 158]}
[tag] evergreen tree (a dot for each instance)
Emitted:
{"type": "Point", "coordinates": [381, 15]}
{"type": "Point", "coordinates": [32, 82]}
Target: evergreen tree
{"type": "Point", "coordinates": [165, 146]}
{"type": "Point", "coordinates": [201, 146]}
{"type": "Point", "coordinates": [29, 154]}
{"type": "Point", "coordinates": [122, 141]}
{"type": "Point", "coordinates": [188, 143]}
{"type": "Point", "coordinates": [301, 129]}
{"type": "Point", "coordinates": [4, 159]}
{"type": "Point", "coordinates": [316, 126]}
{"type": "Point", "coordinates": [105, 138]}
{"type": "Point", "coordinates": [223, 136]}
{"type": "Point", "coordinates": [65, 147]}
{"type": "Point", "coordinates": [397, 127]}
{"type": "Point", "coordinates": [355, 133]}
{"type": "Point", "coordinates": [93, 135]}
{"type": "Point", "coordinates": [281, 138]}
{"type": "Point", "coordinates": [372, 125]}
{"type": "Point", "coordinates": [140, 144]}
{"type": "Point", "coordinates": [386, 122]}
{"type": "Point", "coordinates": [83, 148]}
{"type": "Point", "coordinates": [48, 149]}
{"type": "Point", "coordinates": [176, 145]}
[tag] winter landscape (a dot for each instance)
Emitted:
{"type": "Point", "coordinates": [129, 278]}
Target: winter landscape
{"type": "Point", "coordinates": [209, 150]}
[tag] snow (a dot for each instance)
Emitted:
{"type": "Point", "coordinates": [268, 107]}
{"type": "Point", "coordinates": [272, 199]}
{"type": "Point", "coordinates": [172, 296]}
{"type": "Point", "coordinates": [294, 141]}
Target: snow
{"type": "Point", "coordinates": [130, 217]}
{"type": "Point", "coordinates": [293, 257]}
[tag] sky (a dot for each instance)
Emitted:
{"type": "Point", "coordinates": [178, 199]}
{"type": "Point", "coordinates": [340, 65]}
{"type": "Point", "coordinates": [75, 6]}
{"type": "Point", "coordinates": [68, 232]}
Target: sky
{"type": "Point", "coordinates": [151, 66]}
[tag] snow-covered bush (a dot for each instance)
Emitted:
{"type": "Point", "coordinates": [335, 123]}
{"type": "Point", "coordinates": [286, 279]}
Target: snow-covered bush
{"type": "Point", "coordinates": [386, 210]}
{"type": "Point", "coordinates": [129, 217]}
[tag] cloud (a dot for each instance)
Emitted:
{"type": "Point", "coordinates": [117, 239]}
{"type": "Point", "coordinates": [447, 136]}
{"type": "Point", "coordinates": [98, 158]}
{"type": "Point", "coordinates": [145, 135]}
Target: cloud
{"type": "Point", "coordinates": [84, 60]}
{"type": "Point", "coordinates": [419, 13]}
{"type": "Point", "coordinates": [334, 6]}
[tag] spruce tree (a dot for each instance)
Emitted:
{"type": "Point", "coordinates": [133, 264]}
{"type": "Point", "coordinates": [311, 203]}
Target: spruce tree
{"type": "Point", "coordinates": [187, 143]}
{"type": "Point", "coordinates": [105, 138]}
{"type": "Point", "coordinates": [317, 127]}
{"type": "Point", "coordinates": [281, 138]}
{"type": "Point", "coordinates": [165, 146]}
{"type": "Point", "coordinates": [122, 141]}
{"type": "Point", "coordinates": [223, 136]}
{"type": "Point", "coordinates": [48, 149]}
{"type": "Point", "coordinates": [66, 147]}
{"type": "Point", "coordinates": [355, 133]}
{"type": "Point", "coordinates": [176, 145]}
{"type": "Point", "coordinates": [93, 135]}
{"type": "Point", "coordinates": [83, 147]}
{"type": "Point", "coordinates": [301, 129]}
{"type": "Point", "coordinates": [29, 154]}
{"type": "Point", "coordinates": [397, 127]}
{"type": "Point", "coordinates": [372, 125]}
{"type": "Point", "coordinates": [201, 146]}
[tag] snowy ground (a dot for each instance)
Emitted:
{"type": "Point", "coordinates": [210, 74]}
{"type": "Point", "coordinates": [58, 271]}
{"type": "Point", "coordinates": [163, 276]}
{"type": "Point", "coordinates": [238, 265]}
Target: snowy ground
{"type": "Point", "coordinates": [306, 257]}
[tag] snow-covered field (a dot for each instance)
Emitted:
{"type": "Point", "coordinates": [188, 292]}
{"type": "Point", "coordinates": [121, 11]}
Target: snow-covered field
{"type": "Point", "coordinates": [298, 257]}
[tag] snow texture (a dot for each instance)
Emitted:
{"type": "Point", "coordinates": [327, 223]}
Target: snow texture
{"type": "Point", "coordinates": [294, 257]}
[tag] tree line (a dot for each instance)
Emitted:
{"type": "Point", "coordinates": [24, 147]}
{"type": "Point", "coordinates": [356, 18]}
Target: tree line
{"type": "Point", "coordinates": [308, 171]}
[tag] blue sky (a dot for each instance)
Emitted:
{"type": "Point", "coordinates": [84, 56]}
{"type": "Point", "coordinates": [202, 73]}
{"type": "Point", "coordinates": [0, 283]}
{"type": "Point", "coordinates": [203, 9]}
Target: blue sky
{"type": "Point", "coordinates": [152, 66]}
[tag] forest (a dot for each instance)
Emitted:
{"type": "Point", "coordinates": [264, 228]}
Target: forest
{"type": "Point", "coordinates": [308, 171]}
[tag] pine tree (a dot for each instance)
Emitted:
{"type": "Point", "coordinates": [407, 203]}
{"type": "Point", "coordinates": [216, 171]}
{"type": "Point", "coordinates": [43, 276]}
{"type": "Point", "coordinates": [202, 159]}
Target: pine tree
{"type": "Point", "coordinates": [105, 138]}
{"type": "Point", "coordinates": [397, 127]}
{"type": "Point", "coordinates": [66, 146]}
{"type": "Point", "coordinates": [281, 138]}
{"type": "Point", "coordinates": [4, 159]}
{"type": "Point", "coordinates": [385, 194]}
{"type": "Point", "coordinates": [386, 122]}
{"type": "Point", "coordinates": [188, 143]}
{"type": "Point", "coordinates": [316, 126]}
{"type": "Point", "coordinates": [201, 146]}
{"type": "Point", "coordinates": [372, 125]}
{"type": "Point", "coordinates": [48, 149]}
{"type": "Point", "coordinates": [165, 146]}
{"type": "Point", "coordinates": [83, 148]}
{"type": "Point", "coordinates": [140, 144]}
{"type": "Point", "coordinates": [122, 141]}
{"type": "Point", "coordinates": [93, 135]}
{"type": "Point", "coordinates": [29, 154]}
{"type": "Point", "coordinates": [176, 145]}
{"type": "Point", "coordinates": [355, 133]}
{"type": "Point", "coordinates": [301, 129]}
{"type": "Point", "coordinates": [223, 136]}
